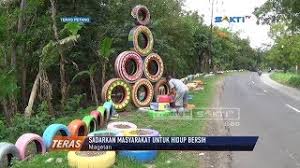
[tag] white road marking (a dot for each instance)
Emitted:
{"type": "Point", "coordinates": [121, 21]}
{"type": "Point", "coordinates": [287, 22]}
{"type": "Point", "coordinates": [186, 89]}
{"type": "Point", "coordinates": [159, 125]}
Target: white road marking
{"type": "Point", "coordinates": [265, 91]}
{"type": "Point", "coordinates": [293, 108]}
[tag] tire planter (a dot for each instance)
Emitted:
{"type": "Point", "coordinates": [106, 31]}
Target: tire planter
{"type": "Point", "coordinates": [104, 133]}
{"type": "Point", "coordinates": [162, 87]}
{"type": "Point", "coordinates": [140, 156]}
{"type": "Point", "coordinates": [77, 128]}
{"type": "Point", "coordinates": [109, 107]}
{"type": "Point", "coordinates": [8, 152]}
{"type": "Point", "coordinates": [156, 61]}
{"type": "Point", "coordinates": [99, 119]}
{"type": "Point", "coordinates": [91, 123]}
{"type": "Point", "coordinates": [163, 99]}
{"type": "Point", "coordinates": [123, 71]}
{"type": "Point", "coordinates": [52, 130]}
{"type": "Point", "coordinates": [123, 93]}
{"type": "Point", "coordinates": [159, 114]}
{"type": "Point", "coordinates": [133, 39]}
{"type": "Point", "coordinates": [137, 99]}
{"type": "Point", "coordinates": [24, 140]}
{"type": "Point", "coordinates": [121, 126]}
{"type": "Point", "coordinates": [105, 115]}
{"type": "Point", "coordinates": [141, 14]}
{"type": "Point", "coordinates": [91, 159]}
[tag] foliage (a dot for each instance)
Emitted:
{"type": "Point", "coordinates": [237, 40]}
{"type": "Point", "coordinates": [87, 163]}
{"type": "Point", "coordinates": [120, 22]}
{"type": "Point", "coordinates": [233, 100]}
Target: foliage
{"type": "Point", "coordinates": [73, 103]}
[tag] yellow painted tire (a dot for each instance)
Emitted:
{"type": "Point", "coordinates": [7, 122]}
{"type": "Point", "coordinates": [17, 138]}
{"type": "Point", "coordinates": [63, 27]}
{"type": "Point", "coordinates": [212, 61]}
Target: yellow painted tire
{"type": "Point", "coordinates": [100, 161]}
{"type": "Point", "coordinates": [107, 92]}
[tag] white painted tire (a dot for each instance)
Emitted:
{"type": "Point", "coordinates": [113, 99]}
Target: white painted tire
{"type": "Point", "coordinates": [115, 126]}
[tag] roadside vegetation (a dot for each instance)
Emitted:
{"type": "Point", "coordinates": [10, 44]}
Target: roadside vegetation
{"type": "Point", "coordinates": [174, 159]}
{"type": "Point", "coordinates": [290, 79]}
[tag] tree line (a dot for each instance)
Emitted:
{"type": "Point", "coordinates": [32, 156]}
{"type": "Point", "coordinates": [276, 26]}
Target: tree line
{"type": "Point", "coordinates": [48, 65]}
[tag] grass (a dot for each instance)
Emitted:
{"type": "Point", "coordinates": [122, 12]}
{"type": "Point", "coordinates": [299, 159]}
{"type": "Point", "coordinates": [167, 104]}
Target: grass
{"type": "Point", "coordinates": [290, 79]}
{"type": "Point", "coordinates": [166, 127]}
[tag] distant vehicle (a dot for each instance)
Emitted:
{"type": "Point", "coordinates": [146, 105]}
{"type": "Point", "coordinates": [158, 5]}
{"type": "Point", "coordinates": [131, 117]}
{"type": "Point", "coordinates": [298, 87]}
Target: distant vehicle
{"type": "Point", "coordinates": [259, 72]}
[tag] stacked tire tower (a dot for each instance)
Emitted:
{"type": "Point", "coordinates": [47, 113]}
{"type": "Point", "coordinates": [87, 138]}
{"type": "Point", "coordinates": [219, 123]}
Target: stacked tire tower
{"type": "Point", "coordinates": [137, 69]}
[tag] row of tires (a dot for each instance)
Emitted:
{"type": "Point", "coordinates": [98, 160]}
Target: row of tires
{"type": "Point", "coordinates": [90, 123]}
{"type": "Point", "coordinates": [126, 92]}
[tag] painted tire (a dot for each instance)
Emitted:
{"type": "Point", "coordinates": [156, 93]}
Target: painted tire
{"type": "Point", "coordinates": [8, 152]}
{"type": "Point", "coordinates": [91, 123]}
{"type": "Point", "coordinates": [162, 87]}
{"type": "Point", "coordinates": [107, 93]}
{"type": "Point", "coordinates": [99, 159]}
{"type": "Point", "coordinates": [52, 130]}
{"type": "Point", "coordinates": [77, 128]}
{"type": "Point", "coordinates": [103, 111]}
{"type": "Point", "coordinates": [156, 59]}
{"type": "Point", "coordinates": [163, 99]}
{"type": "Point", "coordinates": [149, 93]}
{"type": "Point", "coordinates": [104, 133]}
{"type": "Point", "coordinates": [115, 126]}
{"type": "Point", "coordinates": [28, 138]}
{"type": "Point", "coordinates": [140, 156]}
{"type": "Point", "coordinates": [99, 119]}
{"type": "Point", "coordinates": [122, 62]}
{"type": "Point", "coordinates": [141, 14]}
{"type": "Point", "coordinates": [110, 109]}
{"type": "Point", "coordinates": [159, 114]}
{"type": "Point", "coordinates": [134, 42]}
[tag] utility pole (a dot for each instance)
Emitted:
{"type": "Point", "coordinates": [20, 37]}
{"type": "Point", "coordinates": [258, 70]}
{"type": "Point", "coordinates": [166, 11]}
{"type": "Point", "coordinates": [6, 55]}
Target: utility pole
{"type": "Point", "coordinates": [210, 60]}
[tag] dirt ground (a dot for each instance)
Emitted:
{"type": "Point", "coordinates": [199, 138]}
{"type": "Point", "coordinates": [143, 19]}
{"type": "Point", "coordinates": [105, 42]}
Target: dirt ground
{"type": "Point", "coordinates": [215, 159]}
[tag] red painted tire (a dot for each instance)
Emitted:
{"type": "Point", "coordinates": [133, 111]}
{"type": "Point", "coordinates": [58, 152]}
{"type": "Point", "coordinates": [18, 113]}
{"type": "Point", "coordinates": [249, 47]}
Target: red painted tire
{"type": "Point", "coordinates": [100, 120]}
{"type": "Point", "coordinates": [122, 96]}
{"type": "Point", "coordinates": [163, 99]}
{"type": "Point", "coordinates": [139, 100]}
{"type": "Point", "coordinates": [28, 138]}
{"type": "Point", "coordinates": [161, 87]}
{"type": "Point", "coordinates": [77, 128]}
{"type": "Point", "coordinates": [141, 14]}
{"type": "Point", "coordinates": [121, 66]}
{"type": "Point", "coordinates": [134, 42]}
{"type": "Point", "coordinates": [153, 67]}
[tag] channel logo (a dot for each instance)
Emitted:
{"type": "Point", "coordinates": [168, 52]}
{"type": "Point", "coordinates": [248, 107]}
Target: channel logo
{"type": "Point", "coordinates": [232, 19]}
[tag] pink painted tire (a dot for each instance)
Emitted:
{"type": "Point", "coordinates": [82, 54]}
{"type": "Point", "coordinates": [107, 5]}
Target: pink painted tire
{"type": "Point", "coordinates": [122, 64]}
{"type": "Point", "coordinates": [27, 138]}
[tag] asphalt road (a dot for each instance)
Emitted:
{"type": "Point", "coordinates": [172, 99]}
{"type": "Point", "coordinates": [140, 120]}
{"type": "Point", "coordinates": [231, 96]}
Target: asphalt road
{"type": "Point", "coordinates": [270, 111]}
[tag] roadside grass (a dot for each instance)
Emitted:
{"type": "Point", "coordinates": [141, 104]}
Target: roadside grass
{"type": "Point", "coordinates": [167, 127]}
{"type": "Point", "coordinates": [290, 79]}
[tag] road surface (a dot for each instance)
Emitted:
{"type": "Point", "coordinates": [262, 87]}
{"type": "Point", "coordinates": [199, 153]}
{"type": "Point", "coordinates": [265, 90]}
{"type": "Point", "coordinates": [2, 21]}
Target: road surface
{"type": "Point", "coordinates": [270, 111]}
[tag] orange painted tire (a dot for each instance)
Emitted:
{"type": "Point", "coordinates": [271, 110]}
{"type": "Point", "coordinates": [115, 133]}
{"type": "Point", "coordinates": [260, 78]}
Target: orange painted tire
{"type": "Point", "coordinates": [100, 120]}
{"type": "Point", "coordinates": [153, 61]}
{"type": "Point", "coordinates": [77, 128]}
{"type": "Point", "coordinates": [137, 99]}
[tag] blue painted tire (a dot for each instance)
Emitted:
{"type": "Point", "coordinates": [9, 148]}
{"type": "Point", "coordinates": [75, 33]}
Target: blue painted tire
{"type": "Point", "coordinates": [52, 130]}
{"type": "Point", "coordinates": [140, 156]}
{"type": "Point", "coordinates": [110, 109]}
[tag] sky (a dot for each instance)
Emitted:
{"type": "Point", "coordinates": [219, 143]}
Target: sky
{"type": "Point", "coordinates": [257, 34]}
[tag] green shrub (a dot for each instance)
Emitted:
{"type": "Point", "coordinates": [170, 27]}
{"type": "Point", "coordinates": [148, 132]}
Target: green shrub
{"type": "Point", "coordinates": [73, 103]}
{"type": "Point", "coordinates": [294, 81]}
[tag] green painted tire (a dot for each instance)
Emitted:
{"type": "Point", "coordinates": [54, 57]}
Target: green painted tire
{"type": "Point", "coordinates": [159, 114]}
{"type": "Point", "coordinates": [104, 113]}
{"type": "Point", "coordinates": [90, 122]}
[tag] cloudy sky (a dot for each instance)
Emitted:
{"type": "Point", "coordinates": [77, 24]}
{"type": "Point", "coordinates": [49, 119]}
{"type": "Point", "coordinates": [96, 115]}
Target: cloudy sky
{"type": "Point", "coordinates": [258, 34]}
